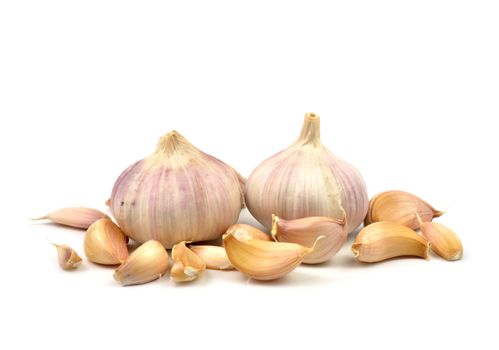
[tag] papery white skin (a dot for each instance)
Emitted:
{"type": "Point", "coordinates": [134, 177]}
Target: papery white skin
{"type": "Point", "coordinates": [304, 180]}
{"type": "Point", "coordinates": [177, 194]}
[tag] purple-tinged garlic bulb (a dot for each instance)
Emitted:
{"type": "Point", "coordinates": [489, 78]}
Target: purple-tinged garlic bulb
{"type": "Point", "coordinates": [177, 194]}
{"type": "Point", "coordinates": [304, 180]}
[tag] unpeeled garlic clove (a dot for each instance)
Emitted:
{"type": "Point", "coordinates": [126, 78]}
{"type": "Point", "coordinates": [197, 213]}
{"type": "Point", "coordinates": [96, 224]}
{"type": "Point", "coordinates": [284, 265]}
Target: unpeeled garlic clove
{"type": "Point", "coordinates": [305, 232]}
{"type": "Point", "coordinates": [215, 257]}
{"type": "Point", "coordinates": [385, 240]}
{"type": "Point", "coordinates": [105, 243]}
{"type": "Point", "coordinates": [250, 231]}
{"type": "Point", "coordinates": [259, 259]}
{"type": "Point", "coordinates": [444, 241]}
{"type": "Point", "coordinates": [67, 257]}
{"type": "Point", "coordinates": [399, 207]}
{"type": "Point", "coordinates": [147, 263]}
{"type": "Point", "coordinates": [78, 217]}
{"type": "Point", "coordinates": [187, 266]}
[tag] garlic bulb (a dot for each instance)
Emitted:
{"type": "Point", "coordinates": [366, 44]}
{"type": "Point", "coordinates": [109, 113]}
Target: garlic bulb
{"type": "Point", "coordinates": [306, 180]}
{"type": "Point", "coordinates": [177, 194]}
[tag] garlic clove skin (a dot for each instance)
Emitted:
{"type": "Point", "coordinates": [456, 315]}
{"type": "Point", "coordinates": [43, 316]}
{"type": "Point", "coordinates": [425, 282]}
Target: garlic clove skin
{"type": "Point", "coordinates": [187, 266]}
{"type": "Point", "coordinates": [305, 232]}
{"type": "Point", "coordinates": [305, 180]}
{"type": "Point", "coordinates": [77, 217]}
{"type": "Point", "coordinates": [444, 241]}
{"type": "Point", "coordinates": [400, 207]}
{"type": "Point", "coordinates": [67, 257]}
{"type": "Point", "coordinates": [214, 257]}
{"type": "Point", "coordinates": [178, 193]}
{"type": "Point", "coordinates": [147, 263]}
{"type": "Point", "coordinates": [385, 240]}
{"type": "Point", "coordinates": [259, 259]}
{"type": "Point", "coordinates": [105, 243]}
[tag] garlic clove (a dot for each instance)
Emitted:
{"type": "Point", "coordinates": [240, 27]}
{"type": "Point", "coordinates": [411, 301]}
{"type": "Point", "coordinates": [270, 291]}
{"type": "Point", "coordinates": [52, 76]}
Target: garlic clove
{"type": "Point", "coordinates": [108, 202]}
{"type": "Point", "coordinates": [305, 180]}
{"type": "Point", "coordinates": [305, 232]}
{"type": "Point", "coordinates": [187, 266]}
{"type": "Point", "coordinates": [399, 207]}
{"type": "Point", "coordinates": [178, 193]}
{"type": "Point", "coordinates": [214, 257]}
{"type": "Point", "coordinates": [105, 243]}
{"type": "Point", "coordinates": [250, 231]}
{"type": "Point", "coordinates": [444, 241]}
{"type": "Point", "coordinates": [67, 257]}
{"type": "Point", "coordinates": [78, 217]}
{"type": "Point", "coordinates": [147, 263]}
{"type": "Point", "coordinates": [259, 259]}
{"type": "Point", "coordinates": [385, 240]}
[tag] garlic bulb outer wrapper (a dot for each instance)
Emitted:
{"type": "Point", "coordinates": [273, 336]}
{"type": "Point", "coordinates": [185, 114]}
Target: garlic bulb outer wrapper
{"type": "Point", "coordinates": [177, 194]}
{"type": "Point", "coordinates": [306, 180]}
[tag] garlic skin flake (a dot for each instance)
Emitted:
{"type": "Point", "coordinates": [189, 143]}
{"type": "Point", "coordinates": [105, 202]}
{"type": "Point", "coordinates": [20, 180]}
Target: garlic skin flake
{"type": "Point", "coordinates": [400, 207]}
{"type": "Point", "coordinates": [187, 266]}
{"type": "Point", "coordinates": [385, 240]}
{"type": "Point", "coordinates": [105, 243]}
{"type": "Point", "coordinates": [177, 194]}
{"type": "Point", "coordinates": [305, 180]}
{"type": "Point", "coordinates": [67, 257]}
{"type": "Point", "coordinates": [259, 259]}
{"type": "Point", "coordinates": [147, 263]}
{"type": "Point", "coordinates": [214, 257]}
{"type": "Point", "coordinates": [77, 217]}
{"type": "Point", "coordinates": [305, 232]}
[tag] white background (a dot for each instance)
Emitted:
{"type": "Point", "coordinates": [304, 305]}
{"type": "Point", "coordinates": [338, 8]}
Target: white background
{"type": "Point", "coordinates": [407, 91]}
